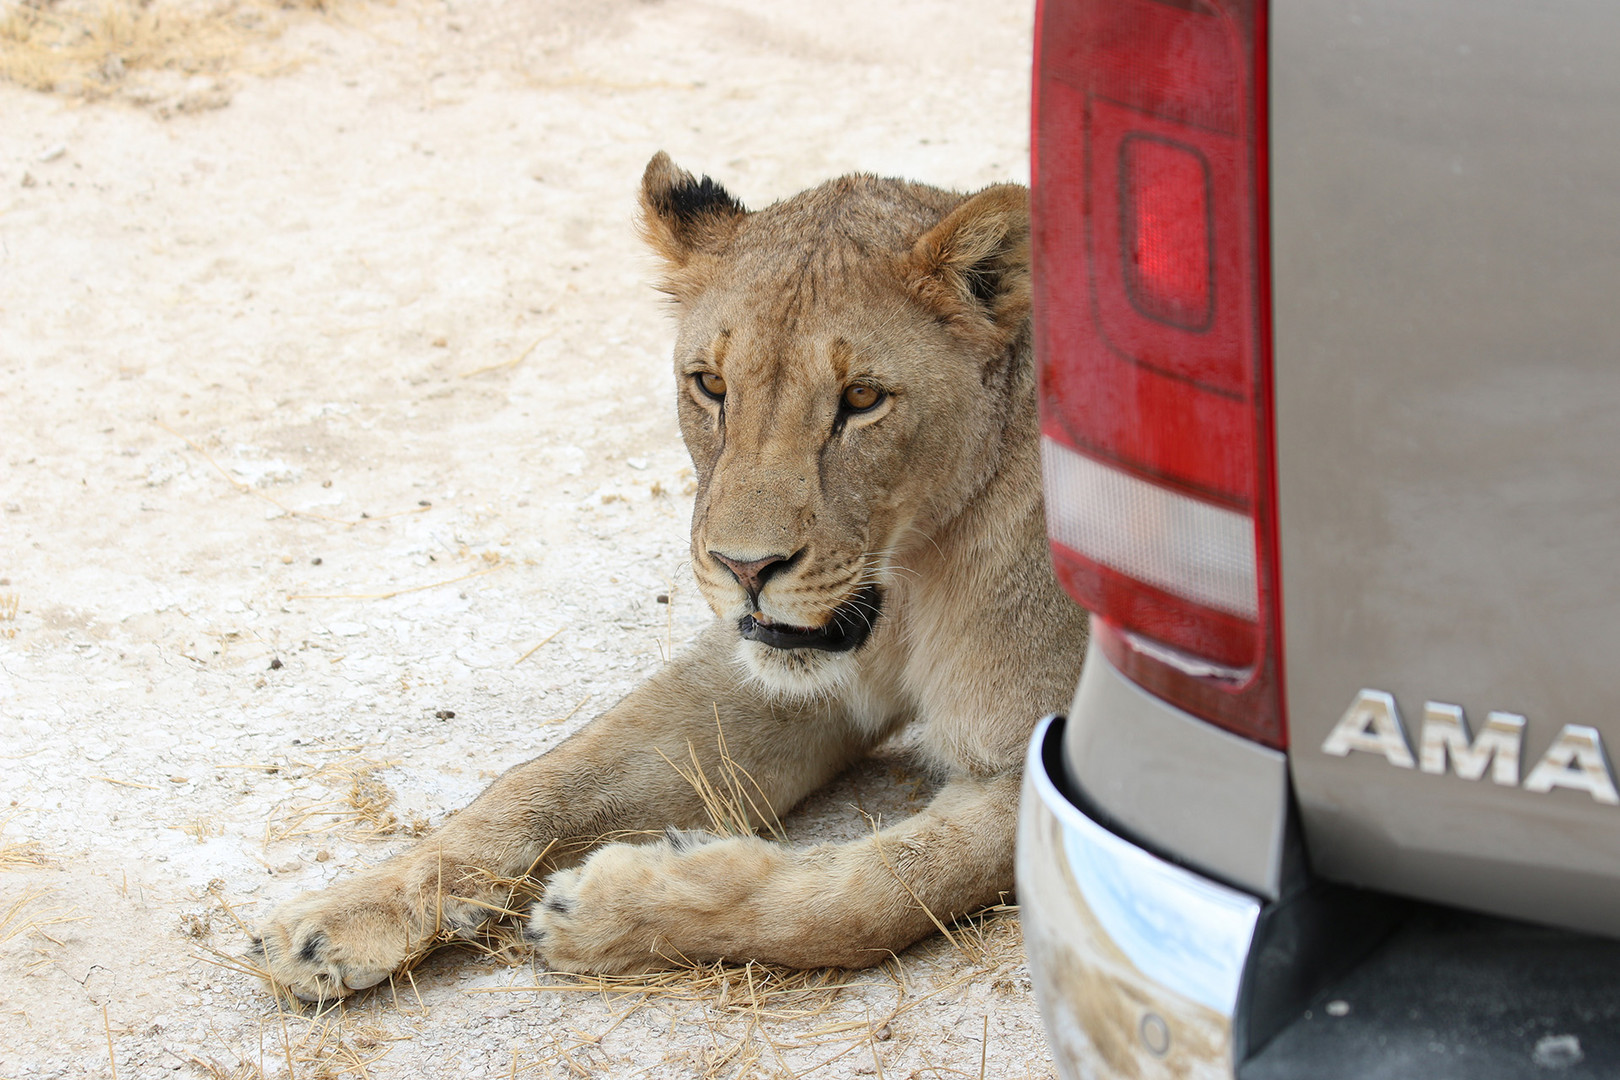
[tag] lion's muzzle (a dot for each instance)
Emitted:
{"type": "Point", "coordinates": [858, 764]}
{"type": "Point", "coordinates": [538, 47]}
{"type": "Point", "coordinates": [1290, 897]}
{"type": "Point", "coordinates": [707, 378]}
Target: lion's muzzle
{"type": "Point", "coordinates": [850, 625]}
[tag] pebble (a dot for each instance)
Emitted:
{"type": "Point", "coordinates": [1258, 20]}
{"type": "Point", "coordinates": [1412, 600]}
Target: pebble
{"type": "Point", "coordinates": [53, 153]}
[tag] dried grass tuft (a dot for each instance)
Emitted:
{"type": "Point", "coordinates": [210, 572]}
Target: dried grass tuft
{"type": "Point", "coordinates": [201, 829]}
{"type": "Point", "coordinates": [143, 51]}
{"type": "Point", "coordinates": [734, 802]}
{"type": "Point", "coordinates": [317, 1048]}
{"type": "Point", "coordinates": [359, 805]}
{"type": "Point", "coordinates": [196, 925]}
{"type": "Point", "coordinates": [20, 854]}
{"type": "Point", "coordinates": [89, 49]}
{"type": "Point", "coordinates": [30, 914]}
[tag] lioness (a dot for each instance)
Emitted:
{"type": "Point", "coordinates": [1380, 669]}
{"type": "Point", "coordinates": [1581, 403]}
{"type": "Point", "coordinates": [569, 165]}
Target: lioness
{"type": "Point", "coordinates": [856, 389]}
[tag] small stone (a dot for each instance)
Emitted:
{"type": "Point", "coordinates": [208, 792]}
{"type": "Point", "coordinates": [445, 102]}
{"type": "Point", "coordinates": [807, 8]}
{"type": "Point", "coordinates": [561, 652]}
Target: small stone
{"type": "Point", "coordinates": [275, 663]}
{"type": "Point", "coordinates": [323, 855]}
{"type": "Point", "coordinates": [440, 343]}
{"type": "Point", "coordinates": [28, 180]}
{"type": "Point", "coordinates": [445, 714]}
{"type": "Point", "coordinates": [662, 598]}
{"type": "Point", "coordinates": [316, 561]}
{"type": "Point", "coordinates": [1338, 1008]}
{"type": "Point", "coordinates": [203, 99]}
{"type": "Point", "coordinates": [53, 153]}
{"type": "Point", "coordinates": [1558, 1051]}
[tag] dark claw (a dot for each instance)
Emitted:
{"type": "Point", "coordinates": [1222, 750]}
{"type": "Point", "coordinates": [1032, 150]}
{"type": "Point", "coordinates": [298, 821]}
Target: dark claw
{"type": "Point", "coordinates": [684, 840]}
{"type": "Point", "coordinates": [312, 947]}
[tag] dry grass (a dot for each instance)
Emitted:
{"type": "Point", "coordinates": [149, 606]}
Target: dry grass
{"type": "Point", "coordinates": [30, 914]}
{"type": "Point", "coordinates": [90, 49]}
{"type": "Point", "coordinates": [734, 801]}
{"type": "Point", "coordinates": [762, 1020]}
{"type": "Point", "coordinates": [722, 1021]}
{"type": "Point", "coordinates": [748, 1016]}
{"type": "Point", "coordinates": [201, 829]}
{"type": "Point", "coordinates": [20, 854]}
{"type": "Point", "coordinates": [728, 1021]}
{"type": "Point", "coordinates": [318, 1048]}
{"type": "Point", "coordinates": [358, 805]}
{"type": "Point", "coordinates": [34, 911]}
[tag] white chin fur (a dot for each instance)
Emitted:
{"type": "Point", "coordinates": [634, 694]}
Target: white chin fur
{"type": "Point", "coordinates": [797, 673]}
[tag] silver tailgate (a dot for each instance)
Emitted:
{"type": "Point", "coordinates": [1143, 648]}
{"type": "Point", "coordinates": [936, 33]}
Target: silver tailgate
{"type": "Point", "coordinates": [1446, 198]}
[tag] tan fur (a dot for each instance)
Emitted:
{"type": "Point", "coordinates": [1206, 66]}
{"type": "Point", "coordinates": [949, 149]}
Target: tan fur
{"type": "Point", "coordinates": [933, 496]}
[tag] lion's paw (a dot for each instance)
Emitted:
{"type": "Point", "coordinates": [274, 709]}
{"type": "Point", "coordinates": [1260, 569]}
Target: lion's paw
{"type": "Point", "coordinates": [629, 908]}
{"type": "Point", "coordinates": [325, 945]}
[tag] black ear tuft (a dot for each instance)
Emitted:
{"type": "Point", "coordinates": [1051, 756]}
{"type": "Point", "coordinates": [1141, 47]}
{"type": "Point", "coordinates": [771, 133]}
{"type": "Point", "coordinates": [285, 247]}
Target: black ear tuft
{"type": "Point", "coordinates": [689, 200]}
{"type": "Point", "coordinates": [683, 216]}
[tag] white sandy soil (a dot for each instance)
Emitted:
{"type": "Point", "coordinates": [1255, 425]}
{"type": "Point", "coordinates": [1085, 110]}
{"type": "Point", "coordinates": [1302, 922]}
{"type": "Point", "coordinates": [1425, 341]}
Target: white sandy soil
{"type": "Point", "coordinates": [322, 405]}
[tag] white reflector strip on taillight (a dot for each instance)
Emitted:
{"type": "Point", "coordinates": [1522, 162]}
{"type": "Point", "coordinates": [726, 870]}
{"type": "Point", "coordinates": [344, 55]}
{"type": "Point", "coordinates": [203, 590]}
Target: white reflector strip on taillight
{"type": "Point", "coordinates": [1196, 550]}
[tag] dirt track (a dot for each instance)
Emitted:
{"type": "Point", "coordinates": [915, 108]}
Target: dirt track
{"type": "Point", "coordinates": [320, 411]}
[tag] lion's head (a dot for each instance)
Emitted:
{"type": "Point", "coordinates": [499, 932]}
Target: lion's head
{"type": "Point", "coordinates": [847, 362]}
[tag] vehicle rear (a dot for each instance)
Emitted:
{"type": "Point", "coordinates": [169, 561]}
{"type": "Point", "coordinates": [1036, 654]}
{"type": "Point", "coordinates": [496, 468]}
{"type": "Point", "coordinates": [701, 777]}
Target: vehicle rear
{"type": "Point", "coordinates": [1331, 430]}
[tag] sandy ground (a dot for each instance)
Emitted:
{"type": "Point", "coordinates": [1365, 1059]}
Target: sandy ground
{"type": "Point", "coordinates": [329, 397]}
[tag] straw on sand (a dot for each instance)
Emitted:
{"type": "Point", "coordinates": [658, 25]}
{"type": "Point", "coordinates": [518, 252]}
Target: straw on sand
{"type": "Point", "coordinates": [96, 49]}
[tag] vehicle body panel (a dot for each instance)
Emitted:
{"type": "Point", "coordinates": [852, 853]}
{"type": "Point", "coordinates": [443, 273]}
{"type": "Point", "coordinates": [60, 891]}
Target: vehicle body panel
{"type": "Point", "coordinates": [1175, 783]}
{"type": "Point", "coordinates": [1446, 235]}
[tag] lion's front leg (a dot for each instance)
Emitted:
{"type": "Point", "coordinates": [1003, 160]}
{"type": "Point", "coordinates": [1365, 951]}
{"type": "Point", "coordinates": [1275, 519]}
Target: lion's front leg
{"type": "Point", "coordinates": [693, 897]}
{"type": "Point", "coordinates": [616, 776]}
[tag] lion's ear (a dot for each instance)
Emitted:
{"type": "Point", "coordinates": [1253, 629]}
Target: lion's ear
{"type": "Point", "coordinates": [973, 267]}
{"type": "Point", "coordinates": [684, 219]}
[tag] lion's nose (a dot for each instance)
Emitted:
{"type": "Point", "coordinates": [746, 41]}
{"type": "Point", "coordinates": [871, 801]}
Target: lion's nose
{"type": "Point", "coordinates": [752, 574]}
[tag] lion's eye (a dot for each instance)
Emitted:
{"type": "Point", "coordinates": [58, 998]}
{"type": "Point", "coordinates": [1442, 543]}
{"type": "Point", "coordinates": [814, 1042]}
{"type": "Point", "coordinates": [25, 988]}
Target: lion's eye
{"type": "Point", "coordinates": [859, 398]}
{"type": "Point", "coordinates": [712, 384]}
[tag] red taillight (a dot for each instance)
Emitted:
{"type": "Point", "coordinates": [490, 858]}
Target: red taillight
{"type": "Point", "coordinates": [1152, 332]}
{"type": "Point", "coordinates": [1164, 189]}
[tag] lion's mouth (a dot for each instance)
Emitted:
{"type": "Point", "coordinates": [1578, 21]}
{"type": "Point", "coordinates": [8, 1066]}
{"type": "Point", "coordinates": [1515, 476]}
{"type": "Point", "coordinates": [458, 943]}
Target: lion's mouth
{"type": "Point", "coordinates": [848, 628]}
